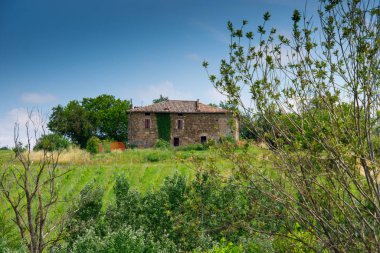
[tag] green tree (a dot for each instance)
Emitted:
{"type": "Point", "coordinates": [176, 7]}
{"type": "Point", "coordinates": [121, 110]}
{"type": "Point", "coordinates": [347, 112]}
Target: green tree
{"type": "Point", "coordinates": [160, 99]}
{"type": "Point", "coordinates": [103, 116]}
{"type": "Point", "coordinates": [109, 116]}
{"type": "Point", "coordinates": [72, 121]}
{"type": "Point", "coordinates": [317, 95]}
{"type": "Point", "coordinates": [51, 142]}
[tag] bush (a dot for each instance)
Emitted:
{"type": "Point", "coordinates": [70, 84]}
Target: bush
{"type": "Point", "coordinates": [85, 214]}
{"type": "Point", "coordinates": [5, 248]}
{"type": "Point", "coordinates": [196, 147]}
{"type": "Point", "coordinates": [302, 238]}
{"type": "Point", "coordinates": [228, 139]}
{"type": "Point", "coordinates": [160, 143]}
{"type": "Point", "coordinates": [180, 216]}
{"type": "Point", "coordinates": [4, 148]}
{"type": "Point", "coordinates": [225, 247]}
{"type": "Point", "coordinates": [153, 157]}
{"type": "Point", "coordinates": [93, 145]}
{"type": "Point", "coordinates": [19, 148]}
{"type": "Point", "coordinates": [90, 202]}
{"type": "Point", "coordinates": [130, 146]}
{"type": "Point", "coordinates": [123, 240]}
{"type": "Point", "coordinates": [51, 142]}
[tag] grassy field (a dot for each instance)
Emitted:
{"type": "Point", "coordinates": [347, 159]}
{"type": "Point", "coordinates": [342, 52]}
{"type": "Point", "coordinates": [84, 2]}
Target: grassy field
{"type": "Point", "coordinates": [145, 169]}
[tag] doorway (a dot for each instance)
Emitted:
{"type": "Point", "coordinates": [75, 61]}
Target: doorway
{"type": "Point", "coordinates": [176, 141]}
{"type": "Point", "coordinates": [203, 139]}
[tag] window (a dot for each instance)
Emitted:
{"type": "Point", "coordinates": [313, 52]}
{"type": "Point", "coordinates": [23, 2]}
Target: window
{"type": "Point", "coordinates": [180, 114]}
{"type": "Point", "coordinates": [180, 124]}
{"type": "Point", "coordinates": [147, 113]}
{"type": "Point", "coordinates": [176, 142]}
{"type": "Point", "coordinates": [147, 123]}
{"type": "Point", "coordinates": [203, 139]}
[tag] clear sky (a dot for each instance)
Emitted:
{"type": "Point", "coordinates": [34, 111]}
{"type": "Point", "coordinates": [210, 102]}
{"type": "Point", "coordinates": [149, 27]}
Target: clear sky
{"type": "Point", "coordinates": [54, 51]}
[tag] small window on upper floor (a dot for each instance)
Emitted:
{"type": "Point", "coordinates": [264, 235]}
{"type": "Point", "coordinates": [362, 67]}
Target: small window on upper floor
{"type": "Point", "coordinates": [147, 113]}
{"type": "Point", "coordinates": [147, 123]}
{"type": "Point", "coordinates": [180, 124]}
{"type": "Point", "coordinates": [180, 114]}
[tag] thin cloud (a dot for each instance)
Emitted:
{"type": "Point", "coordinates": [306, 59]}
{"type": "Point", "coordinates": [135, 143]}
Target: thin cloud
{"type": "Point", "coordinates": [221, 36]}
{"type": "Point", "coordinates": [38, 98]}
{"type": "Point", "coordinates": [166, 88]}
{"type": "Point", "coordinates": [193, 57]}
{"type": "Point", "coordinates": [215, 96]}
{"type": "Point", "coordinates": [21, 117]}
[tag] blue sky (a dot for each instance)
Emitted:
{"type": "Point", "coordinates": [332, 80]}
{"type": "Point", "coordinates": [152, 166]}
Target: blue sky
{"type": "Point", "coordinates": [52, 52]}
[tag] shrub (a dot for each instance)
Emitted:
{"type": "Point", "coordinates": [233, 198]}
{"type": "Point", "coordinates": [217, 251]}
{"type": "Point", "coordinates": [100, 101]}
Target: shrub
{"type": "Point", "coordinates": [6, 248]}
{"type": "Point", "coordinates": [228, 139]}
{"type": "Point", "coordinates": [130, 146]}
{"type": "Point", "coordinates": [105, 146]}
{"type": "Point", "coordinates": [160, 143]}
{"type": "Point", "coordinates": [90, 202]}
{"type": "Point", "coordinates": [85, 213]}
{"type": "Point", "coordinates": [19, 148]}
{"type": "Point", "coordinates": [3, 246]}
{"type": "Point", "coordinates": [51, 142]}
{"type": "Point", "coordinates": [296, 241]}
{"type": "Point", "coordinates": [196, 147]}
{"type": "Point", "coordinates": [123, 240]}
{"type": "Point", "coordinates": [4, 148]}
{"type": "Point", "coordinates": [158, 155]}
{"type": "Point", "coordinates": [93, 145]}
{"type": "Point", "coordinates": [225, 247]}
{"type": "Point", "coordinates": [153, 157]}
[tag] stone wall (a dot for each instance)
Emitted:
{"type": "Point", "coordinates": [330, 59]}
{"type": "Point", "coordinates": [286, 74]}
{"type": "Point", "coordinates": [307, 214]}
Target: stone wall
{"type": "Point", "coordinates": [195, 125]}
{"type": "Point", "coordinates": [211, 125]}
{"type": "Point", "coordinates": [138, 134]}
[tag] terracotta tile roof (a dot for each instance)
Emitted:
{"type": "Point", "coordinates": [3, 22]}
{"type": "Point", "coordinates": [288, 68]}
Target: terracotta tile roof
{"type": "Point", "coordinates": [179, 106]}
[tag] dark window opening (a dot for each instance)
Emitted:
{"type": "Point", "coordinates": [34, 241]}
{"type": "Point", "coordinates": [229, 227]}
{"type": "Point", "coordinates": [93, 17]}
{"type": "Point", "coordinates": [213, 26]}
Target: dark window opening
{"type": "Point", "coordinates": [180, 124]}
{"type": "Point", "coordinates": [147, 113]}
{"type": "Point", "coordinates": [176, 142]}
{"type": "Point", "coordinates": [180, 114]}
{"type": "Point", "coordinates": [203, 139]}
{"type": "Point", "coordinates": [147, 123]}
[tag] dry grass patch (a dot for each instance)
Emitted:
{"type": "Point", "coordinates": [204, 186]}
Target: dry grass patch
{"type": "Point", "coordinates": [69, 156]}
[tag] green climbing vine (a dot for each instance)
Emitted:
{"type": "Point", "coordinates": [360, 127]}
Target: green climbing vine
{"type": "Point", "coordinates": [163, 126]}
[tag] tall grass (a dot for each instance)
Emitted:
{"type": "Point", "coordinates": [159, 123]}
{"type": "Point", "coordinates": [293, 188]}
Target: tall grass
{"type": "Point", "coordinates": [73, 155]}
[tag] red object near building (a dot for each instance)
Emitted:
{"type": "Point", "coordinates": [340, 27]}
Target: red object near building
{"type": "Point", "coordinates": [117, 146]}
{"type": "Point", "coordinates": [108, 147]}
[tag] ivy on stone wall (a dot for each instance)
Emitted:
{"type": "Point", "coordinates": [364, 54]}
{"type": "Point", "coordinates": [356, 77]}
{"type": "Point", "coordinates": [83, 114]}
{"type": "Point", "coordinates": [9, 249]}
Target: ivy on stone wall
{"type": "Point", "coordinates": [163, 126]}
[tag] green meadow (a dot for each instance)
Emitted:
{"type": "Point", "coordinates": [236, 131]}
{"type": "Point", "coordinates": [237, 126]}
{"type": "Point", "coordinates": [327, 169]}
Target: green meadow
{"type": "Point", "coordinates": [145, 169]}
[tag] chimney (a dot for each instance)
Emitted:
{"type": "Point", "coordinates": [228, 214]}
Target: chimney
{"type": "Point", "coordinates": [197, 105]}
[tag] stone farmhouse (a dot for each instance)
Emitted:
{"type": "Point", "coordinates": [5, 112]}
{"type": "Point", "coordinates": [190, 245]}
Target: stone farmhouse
{"type": "Point", "coordinates": [179, 122]}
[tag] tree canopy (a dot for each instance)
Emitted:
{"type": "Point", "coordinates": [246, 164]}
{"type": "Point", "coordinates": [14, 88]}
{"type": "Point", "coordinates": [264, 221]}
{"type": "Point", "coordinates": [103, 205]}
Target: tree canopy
{"type": "Point", "coordinates": [103, 116]}
{"type": "Point", "coordinates": [160, 99]}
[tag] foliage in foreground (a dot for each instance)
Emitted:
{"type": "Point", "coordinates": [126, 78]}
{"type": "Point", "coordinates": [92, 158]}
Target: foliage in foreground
{"type": "Point", "coordinates": [209, 213]}
{"type": "Point", "coordinates": [316, 107]}
{"type": "Point", "coordinates": [30, 190]}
